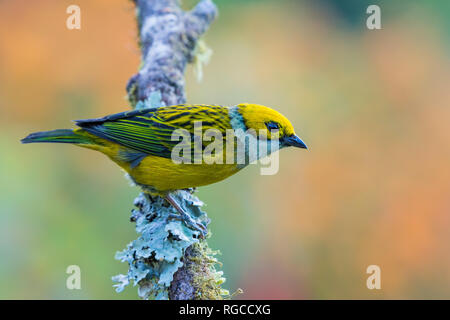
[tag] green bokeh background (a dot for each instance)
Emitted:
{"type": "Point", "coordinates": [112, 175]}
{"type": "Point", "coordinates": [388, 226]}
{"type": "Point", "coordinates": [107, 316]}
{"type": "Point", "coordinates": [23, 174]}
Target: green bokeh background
{"type": "Point", "coordinates": [373, 106]}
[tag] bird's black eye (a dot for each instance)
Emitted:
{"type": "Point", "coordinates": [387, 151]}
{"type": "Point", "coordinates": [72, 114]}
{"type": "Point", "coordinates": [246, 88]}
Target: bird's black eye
{"type": "Point", "coordinates": [272, 125]}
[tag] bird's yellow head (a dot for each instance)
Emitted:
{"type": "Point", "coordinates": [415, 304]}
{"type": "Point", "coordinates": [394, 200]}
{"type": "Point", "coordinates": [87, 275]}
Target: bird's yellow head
{"type": "Point", "coordinates": [258, 117]}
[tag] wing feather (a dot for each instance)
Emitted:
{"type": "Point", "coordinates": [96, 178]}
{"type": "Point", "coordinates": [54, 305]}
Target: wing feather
{"type": "Point", "coordinates": [150, 130]}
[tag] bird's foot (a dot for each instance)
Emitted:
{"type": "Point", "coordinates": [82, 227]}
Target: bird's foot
{"type": "Point", "coordinates": [186, 218]}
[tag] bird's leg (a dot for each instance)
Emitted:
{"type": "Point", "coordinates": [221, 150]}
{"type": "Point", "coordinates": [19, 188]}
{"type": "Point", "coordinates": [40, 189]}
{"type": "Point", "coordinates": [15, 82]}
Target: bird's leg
{"type": "Point", "coordinates": [186, 217]}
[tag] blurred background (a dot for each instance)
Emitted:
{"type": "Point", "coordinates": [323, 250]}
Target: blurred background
{"type": "Point", "coordinates": [373, 106]}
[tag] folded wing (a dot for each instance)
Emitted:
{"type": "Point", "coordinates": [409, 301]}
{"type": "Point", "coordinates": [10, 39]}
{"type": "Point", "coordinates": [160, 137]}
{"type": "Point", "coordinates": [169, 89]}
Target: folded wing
{"type": "Point", "coordinates": [150, 131]}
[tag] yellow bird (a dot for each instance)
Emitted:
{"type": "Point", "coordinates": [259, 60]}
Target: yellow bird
{"type": "Point", "coordinates": [142, 142]}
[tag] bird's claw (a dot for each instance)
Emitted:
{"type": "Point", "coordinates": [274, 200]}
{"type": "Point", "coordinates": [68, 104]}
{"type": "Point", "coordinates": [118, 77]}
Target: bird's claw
{"type": "Point", "coordinates": [190, 223]}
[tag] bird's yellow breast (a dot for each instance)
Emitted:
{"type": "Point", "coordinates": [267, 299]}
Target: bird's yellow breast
{"type": "Point", "coordinates": [163, 174]}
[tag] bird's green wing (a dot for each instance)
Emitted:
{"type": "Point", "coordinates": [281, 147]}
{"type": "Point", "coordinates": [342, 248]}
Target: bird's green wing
{"type": "Point", "coordinates": [149, 131]}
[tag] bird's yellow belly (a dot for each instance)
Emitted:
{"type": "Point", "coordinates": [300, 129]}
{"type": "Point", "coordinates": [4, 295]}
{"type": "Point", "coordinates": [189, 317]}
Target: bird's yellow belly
{"type": "Point", "coordinates": [164, 175]}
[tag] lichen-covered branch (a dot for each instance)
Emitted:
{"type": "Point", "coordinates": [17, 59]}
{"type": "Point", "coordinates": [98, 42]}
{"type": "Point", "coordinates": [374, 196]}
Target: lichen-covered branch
{"type": "Point", "coordinates": [168, 260]}
{"type": "Point", "coordinates": [168, 36]}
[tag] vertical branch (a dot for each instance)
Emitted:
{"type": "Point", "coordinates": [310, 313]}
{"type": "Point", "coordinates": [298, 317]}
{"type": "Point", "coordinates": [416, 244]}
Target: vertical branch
{"type": "Point", "coordinates": [168, 260]}
{"type": "Point", "coordinates": [168, 36]}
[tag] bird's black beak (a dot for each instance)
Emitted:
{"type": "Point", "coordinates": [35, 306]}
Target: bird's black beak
{"type": "Point", "coordinates": [294, 141]}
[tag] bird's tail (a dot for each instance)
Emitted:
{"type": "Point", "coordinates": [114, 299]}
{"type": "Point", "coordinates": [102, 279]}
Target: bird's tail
{"type": "Point", "coordinates": [57, 136]}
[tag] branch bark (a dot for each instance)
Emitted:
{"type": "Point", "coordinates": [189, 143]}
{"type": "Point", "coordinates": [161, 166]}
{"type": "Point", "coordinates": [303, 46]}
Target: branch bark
{"type": "Point", "coordinates": [168, 36]}
{"type": "Point", "coordinates": [168, 260]}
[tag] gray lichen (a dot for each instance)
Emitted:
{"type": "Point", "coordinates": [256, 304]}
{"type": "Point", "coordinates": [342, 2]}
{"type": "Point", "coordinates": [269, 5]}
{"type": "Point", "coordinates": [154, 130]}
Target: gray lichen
{"type": "Point", "coordinates": [160, 249]}
{"type": "Point", "coordinates": [168, 36]}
